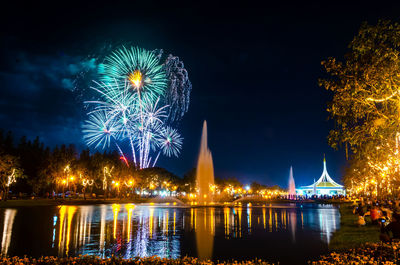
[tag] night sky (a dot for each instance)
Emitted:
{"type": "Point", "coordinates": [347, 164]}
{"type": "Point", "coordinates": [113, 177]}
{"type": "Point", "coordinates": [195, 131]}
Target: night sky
{"type": "Point", "coordinates": [254, 71]}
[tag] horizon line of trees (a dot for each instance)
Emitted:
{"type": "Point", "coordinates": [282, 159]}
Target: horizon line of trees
{"type": "Point", "coordinates": [30, 167]}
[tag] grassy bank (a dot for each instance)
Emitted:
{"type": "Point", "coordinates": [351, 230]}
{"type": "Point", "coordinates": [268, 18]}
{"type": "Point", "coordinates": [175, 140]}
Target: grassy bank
{"type": "Point", "coordinates": [350, 235]}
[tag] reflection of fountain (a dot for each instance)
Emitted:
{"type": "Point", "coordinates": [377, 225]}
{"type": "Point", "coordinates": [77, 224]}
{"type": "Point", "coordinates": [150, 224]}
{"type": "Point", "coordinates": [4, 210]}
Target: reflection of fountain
{"type": "Point", "coordinates": [204, 232]}
{"type": "Point", "coordinates": [293, 222]}
{"type": "Point", "coordinates": [205, 169]}
{"type": "Point", "coordinates": [292, 188]}
{"type": "Point", "coordinates": [9, 215]}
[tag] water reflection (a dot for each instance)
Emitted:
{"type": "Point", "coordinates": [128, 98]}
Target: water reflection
{"type": "Point", "coordinates": [293, 222]}
{"type": "Point", "coordinates": [327, 223]}
{"type": "Point", "coordinates": [129, 208]}
{"type": "Point", "coordinates": [102, 231]}
{"type": "Point", "coordinates": [65, 229]}
{"type": "Point", "coordinates": [204, 231]}
{"type": "Point", "coordinates": [249, 219]}
{"type": "Point", "coordinates": [9, 216]}
{"type": "Point", "coordinates": [127, 230]}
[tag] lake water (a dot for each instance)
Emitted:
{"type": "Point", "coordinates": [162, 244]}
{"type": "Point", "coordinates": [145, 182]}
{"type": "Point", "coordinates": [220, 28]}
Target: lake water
{"type": "Point", "coordinates": [288, 233]}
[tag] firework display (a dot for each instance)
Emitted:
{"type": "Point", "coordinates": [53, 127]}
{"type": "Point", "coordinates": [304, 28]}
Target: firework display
{"type": "Point", "coordinates": [141, 68]}
{"type": "Point", "coordinates": [139, 99]}
{"type": "Point", "coordinates": [178, 94]}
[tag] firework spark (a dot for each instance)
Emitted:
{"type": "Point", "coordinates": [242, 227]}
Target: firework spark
{"type": "Point", "coordinates": [170, 142]}
{"type": "Point", "coordinates": [140, 67]}
{"type": "Point", "coordinates": [133, 107]}
{"type": "Point", "coordinates": [99, 130]}
{"type": "Point", "coordinates": [179, 88]}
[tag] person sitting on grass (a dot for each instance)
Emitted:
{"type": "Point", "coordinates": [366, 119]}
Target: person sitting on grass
{"type": "Point", "coordinates": [359, 211]}
{"type": "Point", "coordinates": [393, 227]}
{"type": "Point", "coordinates": [374, 214]}
{"type": "Point", "coordinates": [361, 221]}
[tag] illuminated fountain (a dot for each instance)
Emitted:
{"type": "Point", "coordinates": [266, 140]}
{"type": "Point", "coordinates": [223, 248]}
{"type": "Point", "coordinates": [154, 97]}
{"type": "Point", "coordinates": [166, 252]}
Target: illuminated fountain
{"type": "Point", "coordinates": [205, 170]}
{"type": "Point", "coordinates": [292, 188]}
{"type": "Point", "coordinates": [204, 185]}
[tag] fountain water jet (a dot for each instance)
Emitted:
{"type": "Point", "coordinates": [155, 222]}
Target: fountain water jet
{"type": "Point", "coordinates": [205, 169]}
{"type": "Point", "coordinates": [292, 187]}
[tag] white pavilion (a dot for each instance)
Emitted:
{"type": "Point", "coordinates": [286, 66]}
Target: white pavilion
{"type": "Point", "coordinates": [325, 185]}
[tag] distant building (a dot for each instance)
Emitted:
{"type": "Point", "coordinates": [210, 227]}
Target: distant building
{"type": "Point", "coordinates": [325, 185]}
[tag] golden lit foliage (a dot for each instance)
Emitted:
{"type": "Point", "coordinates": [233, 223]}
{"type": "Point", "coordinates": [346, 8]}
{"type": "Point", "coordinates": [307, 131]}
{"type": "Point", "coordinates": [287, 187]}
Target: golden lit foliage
{"type": "Point", "coordinates": [9, 171]}
{"type": "Point", "coordinates": [366, 85]}
{"type": "Point", "coordinates": [366, 101]}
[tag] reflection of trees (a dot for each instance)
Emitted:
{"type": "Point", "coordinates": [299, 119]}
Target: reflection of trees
{"type": "Point", "coordinates": [9, 215]}
{"type": "Point", "coordinates": [129, 231]}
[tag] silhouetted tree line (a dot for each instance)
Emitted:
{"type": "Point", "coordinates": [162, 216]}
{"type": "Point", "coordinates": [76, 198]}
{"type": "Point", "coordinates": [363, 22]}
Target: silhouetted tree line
{"type": "Point", "coordinates": [44, 170]}
{"type": "Point", "coordinates": [30, 167]}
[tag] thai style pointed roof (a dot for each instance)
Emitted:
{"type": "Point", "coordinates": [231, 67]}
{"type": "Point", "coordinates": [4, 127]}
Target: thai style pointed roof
{"type": "Point", "coordinates": [325, 181]}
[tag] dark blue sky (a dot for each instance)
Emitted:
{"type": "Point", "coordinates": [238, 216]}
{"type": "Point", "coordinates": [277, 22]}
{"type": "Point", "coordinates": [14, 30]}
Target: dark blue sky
{"type": "Point", "coordinates": [254, 71]}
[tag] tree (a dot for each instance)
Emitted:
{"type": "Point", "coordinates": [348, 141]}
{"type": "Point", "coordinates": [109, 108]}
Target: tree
{"type": "Point", "coordinates": [189, 181]}
{"type": "Point", "coordinates": [256, 187]}
{"type": "Point", "coordinates": [366, 97]}
{"type": "Point", "coordinates": [32, 158]}
{"type": "Point", "coordinates": [9, 172]}
{"type": "Point", "coordinates": [56, 174]}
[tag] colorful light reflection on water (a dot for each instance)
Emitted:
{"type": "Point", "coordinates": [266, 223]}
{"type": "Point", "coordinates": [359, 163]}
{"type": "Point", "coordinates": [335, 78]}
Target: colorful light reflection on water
{"type": "Point", "coordinates": [129, 230]}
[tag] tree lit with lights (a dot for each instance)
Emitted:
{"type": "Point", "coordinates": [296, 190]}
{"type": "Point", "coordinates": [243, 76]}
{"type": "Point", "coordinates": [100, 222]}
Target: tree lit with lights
{"type": "Point", "coordinates": [366, 109]}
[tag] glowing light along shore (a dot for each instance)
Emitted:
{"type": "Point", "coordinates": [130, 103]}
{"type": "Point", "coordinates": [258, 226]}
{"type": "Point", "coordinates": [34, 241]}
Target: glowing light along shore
{"type": "Point", "coordinates": [139, 100]}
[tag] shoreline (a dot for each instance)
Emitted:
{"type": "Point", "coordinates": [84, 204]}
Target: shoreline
{"type": "Point", "coordinates": [59, 202]}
